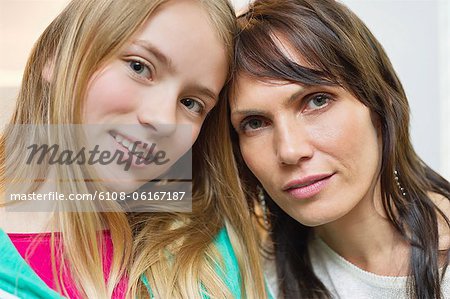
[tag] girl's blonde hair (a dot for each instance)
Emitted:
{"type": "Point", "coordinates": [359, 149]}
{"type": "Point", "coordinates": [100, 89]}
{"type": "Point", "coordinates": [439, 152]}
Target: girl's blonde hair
{"type": "Point", "coordinates": [85, 36]}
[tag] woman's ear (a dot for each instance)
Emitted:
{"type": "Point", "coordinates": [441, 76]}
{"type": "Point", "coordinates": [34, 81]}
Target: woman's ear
{"type": "Point", "coordinates": [376, 121]}
{"type": "Point", "coordinates": [47, 71]}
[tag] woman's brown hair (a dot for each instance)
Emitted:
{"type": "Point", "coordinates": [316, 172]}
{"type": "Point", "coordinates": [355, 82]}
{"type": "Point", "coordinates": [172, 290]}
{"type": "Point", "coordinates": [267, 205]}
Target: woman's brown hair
{"type": "Point", "coordinates": [81, 40]}
{"type": "Point", "coordinates": [340, 50]}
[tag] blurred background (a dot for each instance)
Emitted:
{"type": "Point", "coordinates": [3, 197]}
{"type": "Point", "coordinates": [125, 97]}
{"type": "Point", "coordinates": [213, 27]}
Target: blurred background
{"type": "Point", "coordinates": [414, 33]}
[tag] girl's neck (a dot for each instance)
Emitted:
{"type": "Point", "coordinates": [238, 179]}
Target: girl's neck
{"type": "Point", "coordinates": [29, 216]}
{"type": "Point", "coordinates": [25, 222]}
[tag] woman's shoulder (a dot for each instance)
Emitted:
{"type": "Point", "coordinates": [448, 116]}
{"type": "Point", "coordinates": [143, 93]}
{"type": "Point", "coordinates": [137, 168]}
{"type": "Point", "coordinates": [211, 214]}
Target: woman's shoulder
{"type": "Point", "coordinates": [443, 204]}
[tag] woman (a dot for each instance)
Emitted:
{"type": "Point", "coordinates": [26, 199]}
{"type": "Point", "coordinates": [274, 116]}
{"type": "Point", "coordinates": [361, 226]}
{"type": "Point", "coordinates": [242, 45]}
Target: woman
{"type": "Point", "coordinates": [126, 73]}
{"type": "Point", "coordinates": [322, 124]}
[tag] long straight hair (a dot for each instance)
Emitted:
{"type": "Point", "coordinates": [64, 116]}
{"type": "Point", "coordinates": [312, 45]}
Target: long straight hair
{"type": "Point", "coordinates": [83, 38]}
{"type": "Point", "coordinates": [180, 260]}
{"type": "Point", "coordinates": [340, 50]}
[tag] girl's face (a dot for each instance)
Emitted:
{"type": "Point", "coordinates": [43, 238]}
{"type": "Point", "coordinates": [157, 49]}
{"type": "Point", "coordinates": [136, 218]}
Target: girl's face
{"type": "Point", "coordinates": [314, 149]}
{"type": "Point", "coordinates": [156, 94]}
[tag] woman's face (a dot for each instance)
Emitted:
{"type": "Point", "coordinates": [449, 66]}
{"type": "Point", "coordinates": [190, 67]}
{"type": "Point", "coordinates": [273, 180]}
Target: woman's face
{"type": "Point", "coordinates": [315, 150]}
{"type": "Point", "coordinates": [158, 91]}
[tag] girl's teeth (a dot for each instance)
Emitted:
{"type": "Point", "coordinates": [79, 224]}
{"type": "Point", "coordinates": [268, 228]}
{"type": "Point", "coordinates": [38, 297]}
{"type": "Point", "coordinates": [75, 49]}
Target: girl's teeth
{"type": "Point", "coordinates": [126, 143]}
{"type": "Point", "coordinates": [129, 145]}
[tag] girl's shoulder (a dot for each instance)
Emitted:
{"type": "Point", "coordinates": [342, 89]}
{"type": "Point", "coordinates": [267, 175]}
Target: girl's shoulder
{"type": "Point", "coordinates": [227, 268]}
{"type": "Point", "coordinates": [230, 267]}
{"type": "Point", "coordinates": [229, 271]}
{"type": "Point", "coordinates": [17, 277]}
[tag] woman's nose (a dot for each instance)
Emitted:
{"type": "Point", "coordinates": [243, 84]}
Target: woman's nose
{"type": "Point", "coordinates": [292, 144]}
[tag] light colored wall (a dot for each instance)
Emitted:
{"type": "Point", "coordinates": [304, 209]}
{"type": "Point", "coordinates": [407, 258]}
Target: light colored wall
{"type": "Point", "coordinates": [21, 23]}
{"type": "Point", "coordinates": [444, 51]}
{"type": "Point", "coordinates": [411, 33]}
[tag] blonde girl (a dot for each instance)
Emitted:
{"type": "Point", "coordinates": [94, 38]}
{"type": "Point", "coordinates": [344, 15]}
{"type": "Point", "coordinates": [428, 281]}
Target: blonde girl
{"type": "Point", "coordinates": [158, 66]}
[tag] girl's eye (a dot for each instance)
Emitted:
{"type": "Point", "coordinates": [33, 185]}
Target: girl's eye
{"type": "Point", "coordinates": [318, 101]}
{"type": "Point", "coordinates": [193, 105]}
{"type": "Point", "coordinates": [140, 68]}
{"type": "Point", "coordinates": [252, 124]}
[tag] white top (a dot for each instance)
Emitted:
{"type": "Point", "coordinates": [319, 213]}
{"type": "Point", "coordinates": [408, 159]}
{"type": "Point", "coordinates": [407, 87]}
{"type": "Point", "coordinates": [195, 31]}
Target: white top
{"type": "Point", "coordinates": [347, 281]}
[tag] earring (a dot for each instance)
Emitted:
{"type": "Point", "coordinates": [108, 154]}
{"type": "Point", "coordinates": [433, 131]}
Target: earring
{"type": "Point", "coordinates": [262, 202]}
{"type": "Point", "coordinates": [397, 180]}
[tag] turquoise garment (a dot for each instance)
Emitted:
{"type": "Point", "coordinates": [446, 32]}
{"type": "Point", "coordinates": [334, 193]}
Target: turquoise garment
{"type": "Point", "coordinates": [17, 277]}
{"type": "Point", "coordinates": [230, 273]}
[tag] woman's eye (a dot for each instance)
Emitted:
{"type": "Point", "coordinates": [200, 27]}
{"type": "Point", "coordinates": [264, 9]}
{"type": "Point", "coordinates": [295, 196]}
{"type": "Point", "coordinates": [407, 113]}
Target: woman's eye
{"type": "Point", "coordinates": [318, 101]}
{"type": "Point", "coordinates": [253, 124]}
{"type": "Point", "coordinates": [140, 68]}
{"type": "Point", "coordinates": [192, 105]}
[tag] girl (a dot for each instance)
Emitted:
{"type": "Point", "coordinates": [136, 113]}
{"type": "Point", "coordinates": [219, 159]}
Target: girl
{"type": "Point", "coordinates": [128, 73]}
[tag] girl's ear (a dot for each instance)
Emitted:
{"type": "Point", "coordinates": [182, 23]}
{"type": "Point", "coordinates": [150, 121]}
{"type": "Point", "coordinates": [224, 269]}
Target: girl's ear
{"type": "Point", "coordinates": [47, 71]}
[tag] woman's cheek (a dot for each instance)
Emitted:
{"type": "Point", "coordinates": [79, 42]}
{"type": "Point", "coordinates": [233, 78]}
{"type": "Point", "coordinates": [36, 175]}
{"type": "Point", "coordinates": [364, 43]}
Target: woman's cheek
{"type": "Point", "coordinates": [256, 154]}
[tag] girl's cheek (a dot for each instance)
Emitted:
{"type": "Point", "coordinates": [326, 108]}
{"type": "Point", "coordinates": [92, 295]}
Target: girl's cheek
{"type": "Point", "coordinates": [111, 91]}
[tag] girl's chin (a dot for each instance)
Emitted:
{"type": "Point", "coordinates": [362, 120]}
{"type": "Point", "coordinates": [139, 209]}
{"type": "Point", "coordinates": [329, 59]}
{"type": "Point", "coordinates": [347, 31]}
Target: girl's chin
{"type": "Point", "coordinates": [123, 186]}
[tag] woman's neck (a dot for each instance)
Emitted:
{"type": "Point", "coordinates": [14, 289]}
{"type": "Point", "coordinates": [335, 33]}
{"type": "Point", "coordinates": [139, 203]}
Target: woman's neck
{"type": "Point", "coordinates": [367, 239]}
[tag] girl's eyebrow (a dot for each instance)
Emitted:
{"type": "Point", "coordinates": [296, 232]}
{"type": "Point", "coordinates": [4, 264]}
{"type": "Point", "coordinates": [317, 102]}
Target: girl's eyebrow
{"type": "Point", "coordinates": [152, 49]}
{"type": "Point", "coordinates": [167, 62]}
{"type": "Point", "coordinates": [206, 92]}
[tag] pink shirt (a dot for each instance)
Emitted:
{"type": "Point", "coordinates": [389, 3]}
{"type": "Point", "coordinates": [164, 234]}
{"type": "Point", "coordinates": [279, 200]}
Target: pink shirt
{"type": "Point", "coordinates": [35, 249]}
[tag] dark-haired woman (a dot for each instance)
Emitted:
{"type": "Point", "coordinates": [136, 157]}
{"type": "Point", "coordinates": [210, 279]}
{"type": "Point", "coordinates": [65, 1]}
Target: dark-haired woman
{"type": "Point", "coordinates": [322, 128]}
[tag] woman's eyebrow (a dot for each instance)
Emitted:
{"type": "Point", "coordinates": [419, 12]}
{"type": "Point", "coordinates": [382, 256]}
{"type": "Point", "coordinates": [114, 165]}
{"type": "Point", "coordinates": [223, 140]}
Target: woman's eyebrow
{"type": "Point", "coordinates": [286, 102]}
{"type": "Point", "coordinates": [248, 112]}
{"type": "Point", "coordinates": [295, 96]}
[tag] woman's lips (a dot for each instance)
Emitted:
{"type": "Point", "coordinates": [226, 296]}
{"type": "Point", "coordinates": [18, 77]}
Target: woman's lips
{"type": "Point", "coordinates": [308, 187]}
